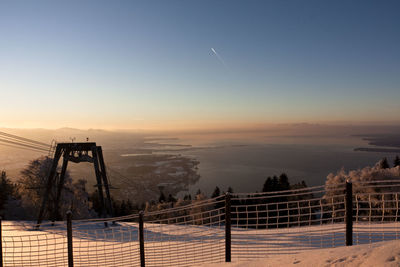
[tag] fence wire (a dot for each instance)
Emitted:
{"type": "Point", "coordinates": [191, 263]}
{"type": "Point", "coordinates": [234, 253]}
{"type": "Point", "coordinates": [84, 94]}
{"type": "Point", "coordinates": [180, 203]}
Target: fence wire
{"type": "Point", "coordinates": [186, 236]}
{"type": "Point", "coordinates": [23, 246]}
{"type": "Point", "coordinates": [113, 242]}
{"type": "Point", "coordinates": [287, 222]}
{"type": "Point", "coordinates": [376, 211]}
{"type": "Point", "coordinates": [262, 224]}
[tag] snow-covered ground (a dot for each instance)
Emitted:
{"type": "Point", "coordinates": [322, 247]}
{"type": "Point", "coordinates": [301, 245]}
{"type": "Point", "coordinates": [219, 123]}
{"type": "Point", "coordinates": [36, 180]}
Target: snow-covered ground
{"type": "Point", "coordinates": [194, 245]}
{"type": "Point", "coordinates": [385, 253]}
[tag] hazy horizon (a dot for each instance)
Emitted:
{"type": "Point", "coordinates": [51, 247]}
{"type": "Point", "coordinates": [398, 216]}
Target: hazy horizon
{"type": "Point", "coordinates": [366, 126]}
{"type": "Point", "coordinates": [222, 158]}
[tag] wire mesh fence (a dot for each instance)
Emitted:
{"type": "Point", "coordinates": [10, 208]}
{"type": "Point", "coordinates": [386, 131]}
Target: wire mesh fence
{"type": "Point", "coordinates": [187, 235]}
{"type": "Point", "coordinates": [23, 246]}
{"type": "Point", "coordinates": [287, 222]}
{"type": "Point", "coordinates": [106, 243]}
{"type": "Point", "coordinates": [242, 226]}
{"type": "Point", "coordinates": [376, 211]}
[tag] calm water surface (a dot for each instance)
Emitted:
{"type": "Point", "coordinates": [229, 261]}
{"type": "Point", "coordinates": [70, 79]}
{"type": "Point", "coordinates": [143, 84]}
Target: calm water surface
{"type": "Point", "coordinates": [245, 167]}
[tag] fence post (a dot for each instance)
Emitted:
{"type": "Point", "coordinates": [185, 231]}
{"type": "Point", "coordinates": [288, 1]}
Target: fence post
{"type": "Point", "coordinates": [1, 245]}
{"type": "Point", "coordinates": [349, 214]}
{"type": "Point", "coordinates": [228, 239]}
{"type": "Point", "coordinates": [69, 239]}
{"type": "Point", "coordinates": [141, 239]}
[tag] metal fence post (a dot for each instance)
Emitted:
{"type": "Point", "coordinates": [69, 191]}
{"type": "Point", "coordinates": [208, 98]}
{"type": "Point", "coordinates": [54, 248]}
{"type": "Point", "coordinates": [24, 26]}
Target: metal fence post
{"type": "Point", "coordinates": [1, 245]}
{"type": "Point", "coordinates": [141, 239]}
{"type": "Point", "coordinates": [228, 239]}
{"type": "Point", "coordinates": [69, 239]}
{"type": "Point", "coordinates": [349, 214]}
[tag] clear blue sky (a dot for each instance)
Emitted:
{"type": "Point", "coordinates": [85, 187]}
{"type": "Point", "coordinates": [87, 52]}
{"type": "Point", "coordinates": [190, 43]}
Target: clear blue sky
{"type": "Point", "coordinates": [149, 64]}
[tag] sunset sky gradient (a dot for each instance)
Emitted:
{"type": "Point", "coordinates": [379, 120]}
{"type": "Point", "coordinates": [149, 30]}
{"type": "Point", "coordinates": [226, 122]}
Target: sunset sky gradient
{"type": "Point", "coordinates": [149, 64]}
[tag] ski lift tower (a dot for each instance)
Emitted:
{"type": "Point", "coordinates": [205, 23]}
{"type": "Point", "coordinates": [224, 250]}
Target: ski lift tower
{"type": "Point", "coordinates": [76, 152]}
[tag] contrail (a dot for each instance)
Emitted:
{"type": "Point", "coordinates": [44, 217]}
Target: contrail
{"type": "Point", "coordinates": [219, 57]}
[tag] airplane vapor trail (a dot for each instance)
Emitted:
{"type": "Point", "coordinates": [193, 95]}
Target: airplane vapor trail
{"type": "Point", "coordinates": [219, 57]}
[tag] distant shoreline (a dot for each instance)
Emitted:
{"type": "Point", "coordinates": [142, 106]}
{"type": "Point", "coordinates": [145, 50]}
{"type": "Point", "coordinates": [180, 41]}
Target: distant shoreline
{"type": "Point", "coordinates": [383, 150]}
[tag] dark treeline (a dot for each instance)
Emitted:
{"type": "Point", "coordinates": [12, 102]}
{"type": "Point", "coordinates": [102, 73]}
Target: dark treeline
{"type": "Point", "coordinates": [277, 208]}
{"type": "Point", "coordinates": [384, 164]}
{"type": "Point", "coordinates": [271, 207]}
{"type": "Point", "coordinates": [119, 207]}
{"type": "Point", "coordinates": [278, 204]}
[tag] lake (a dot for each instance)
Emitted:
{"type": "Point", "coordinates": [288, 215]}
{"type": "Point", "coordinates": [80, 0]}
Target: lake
{"type": "Point", "coordinates": [245, 165]}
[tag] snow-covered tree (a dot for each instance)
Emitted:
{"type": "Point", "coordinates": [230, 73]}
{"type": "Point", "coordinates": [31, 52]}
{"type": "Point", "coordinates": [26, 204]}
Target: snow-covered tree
{"type": "Point", "coordinates": [32, 185]}
{"type": "Point", "coordinates": [367, 174]}
{"type": "Point", "coordinates": [198, 208]}
{"type": "Point", "coordinates": [334, 185]}
{"type": "Point", "coordinates": [80, 201]}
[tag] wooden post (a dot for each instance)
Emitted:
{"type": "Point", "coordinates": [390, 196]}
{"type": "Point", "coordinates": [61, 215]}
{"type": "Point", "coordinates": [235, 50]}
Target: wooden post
{"type": "Point", "coordinates": [141, 239]}
{"type": "Point", "coordinates": [69, 239]}
{"type": "Point", "coordinates": [1, 245]}
{"type": "Point", "coordinates": [349, 214]}
{"type": "Point", "coordinates": [228, 239]}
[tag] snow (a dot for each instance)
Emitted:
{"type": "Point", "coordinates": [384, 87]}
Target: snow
{"type": "Point", "coordinates": [385, 253]}
{"type": "Point", "coordinates": [194, 245]}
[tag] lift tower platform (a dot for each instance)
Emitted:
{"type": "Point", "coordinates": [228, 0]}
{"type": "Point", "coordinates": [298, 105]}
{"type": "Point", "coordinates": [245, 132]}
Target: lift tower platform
{"type": "Point", "coordinates": [76, 152]}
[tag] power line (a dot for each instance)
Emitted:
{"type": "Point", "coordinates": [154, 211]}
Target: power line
{"type": "Point", "coordinates": [5, 138]}
{"type": "Point", "coordinates": [22, 145]}
{"type": "Point", "coordinates": [23, 139]}
{"type": "Point", "coordinates": [122, 178]}
{"type": "Point", "coordinates": [15, 141]}
{"type": "Point", "coordinates": [25, 148]}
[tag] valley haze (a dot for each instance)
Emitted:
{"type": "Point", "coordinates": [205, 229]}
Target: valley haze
{"type": "Point", "coordinates": [144, 163]}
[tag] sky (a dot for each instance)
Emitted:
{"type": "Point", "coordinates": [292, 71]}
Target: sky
{"type": "Point", "coordinates": [198, 64]}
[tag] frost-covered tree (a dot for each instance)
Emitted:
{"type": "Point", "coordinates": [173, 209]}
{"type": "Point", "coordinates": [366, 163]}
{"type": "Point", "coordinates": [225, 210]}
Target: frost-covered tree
{"type": "Point", "coordinates": [182, 202]}
{"type": "Point", "coordinates": [198, 208]}
{"type": "Point", "coordinates": [365, 194]}
{"type": "Point", "coordinates": [80, 201]}
{"type": "Point", "coordinates": [367, 174]}
{"type": "Point", "coordinates": [32, 185]}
